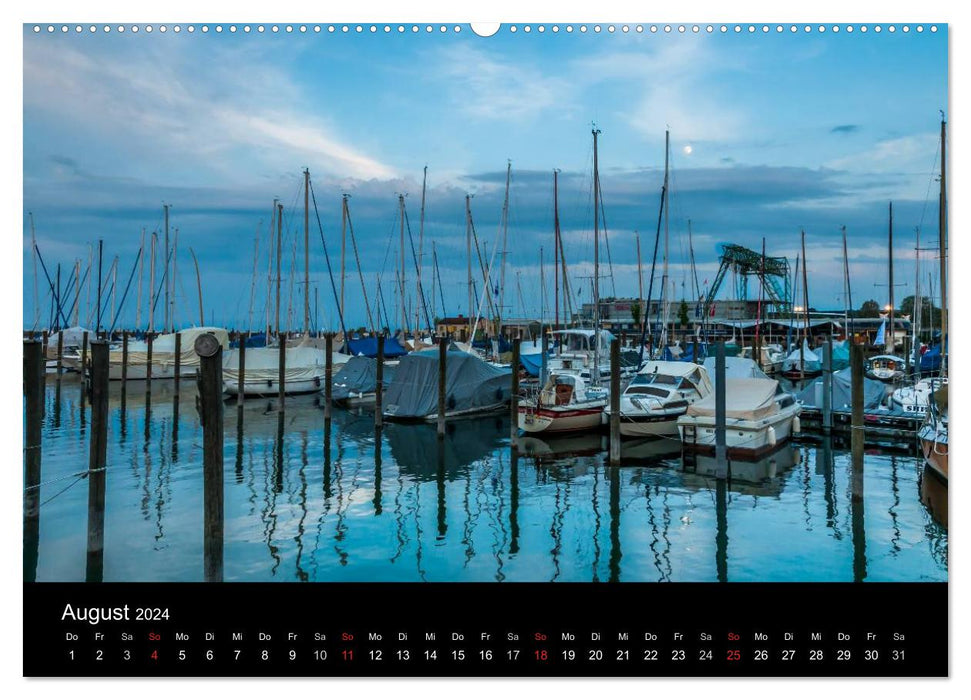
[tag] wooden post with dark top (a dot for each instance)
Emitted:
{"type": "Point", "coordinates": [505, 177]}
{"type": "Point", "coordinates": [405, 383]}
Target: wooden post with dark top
{"type": "Point", "coordinates": [150, 341]}
{"type": "Point", "coordinates": [43, 340]}
{"type": "Point", "coordinates": [442, 352]}
{"type": "Point", "coordinates": [328, 376]}
{"type": "Point", "coordinates": [721, 449]}
{"type": "Point", "coordinates": [124, 359]}
{"type": "Point", "coordinates": [827, 387]}
{"type": "Point", "coordinates": [60, 353]}
{"type": "Point", "coordinates": [34, 369]}
{"type": "Point", "coordinates": [241, 379]}
{"type": "Point", "coordinates": [178, 362]}
{"type": "Point", "coordinates": [281, 377]}
{"type": "Point", "coordinates": [614, 402]}
{"type": "Point", "coordinates": [97, 462]}
{"type": "Point", "coordinates": [211, 413]}
{"type": "Point", "coordinates": [379, 384]}
{"type": "Point", "coordinates": [514, 394]}
{"type": "Point", "coordinates": [84, 354]}
{"type": "Point", "coordinates": [858, 436]}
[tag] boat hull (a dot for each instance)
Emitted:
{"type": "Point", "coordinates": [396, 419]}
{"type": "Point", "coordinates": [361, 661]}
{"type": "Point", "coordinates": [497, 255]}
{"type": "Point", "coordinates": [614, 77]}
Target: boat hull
{"type": "Point", "coordinates": [648, 425]}
{"type": "Point", "coordinates": [272, 388]}
{"type": "Point", "coordinates": [744, 439]}
{"type": "Point", "coordinates": [557, 420]}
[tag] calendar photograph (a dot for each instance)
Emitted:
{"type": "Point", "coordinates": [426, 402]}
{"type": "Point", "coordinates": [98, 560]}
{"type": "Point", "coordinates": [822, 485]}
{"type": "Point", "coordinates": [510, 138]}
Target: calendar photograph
{"type": "Point", "coordinates": [541, 304]}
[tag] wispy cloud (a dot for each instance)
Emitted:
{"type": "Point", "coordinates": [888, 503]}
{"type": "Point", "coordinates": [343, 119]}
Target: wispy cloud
{"type": "Point", "coordinates": [674, 84]}
{"type": "Point", "coordinates": [485, 86]}
{"type": "Point", "coordinates": [164, 108]}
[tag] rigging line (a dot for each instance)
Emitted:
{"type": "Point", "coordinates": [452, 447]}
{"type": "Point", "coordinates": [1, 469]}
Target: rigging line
{"type": "Point", "coordinates": [414, 257]}
{"type": "Point", "coordinates": [603, 220]}
{"type": "Point", "coordinates": [490, 301]}
{"type": "Point", "coordinates": [165, 273]}
{"type": "Point", "coordinates": [930, 182]}
{"type": "Point", "coordinates": [78, 293]}
{"type": "Point", "coordinates": [50, 283]}
{"type": "Point", "coordinates": [121, 304]}
{"type": "Point", "coordinates": [650, 288]}
{"type": "Point", "coordinates": [357, 259]}
{"type": "Point", "coordinates": [438, 273]}
{"type": "Point", "coordinates": [330, 272]}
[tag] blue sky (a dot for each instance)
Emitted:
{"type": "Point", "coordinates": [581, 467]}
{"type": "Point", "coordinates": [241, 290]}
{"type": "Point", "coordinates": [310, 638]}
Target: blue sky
{"type": "Point", "coordinates": [786, 131]}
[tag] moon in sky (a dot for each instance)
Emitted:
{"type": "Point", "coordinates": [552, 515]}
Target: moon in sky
{"type": "Point", "coordinates": [687, 150]}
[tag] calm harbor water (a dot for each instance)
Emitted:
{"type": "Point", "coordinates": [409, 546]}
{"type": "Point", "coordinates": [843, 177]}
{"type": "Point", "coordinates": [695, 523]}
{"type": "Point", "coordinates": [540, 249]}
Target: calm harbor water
{"type": "Point", "coordinates": [400, 506]}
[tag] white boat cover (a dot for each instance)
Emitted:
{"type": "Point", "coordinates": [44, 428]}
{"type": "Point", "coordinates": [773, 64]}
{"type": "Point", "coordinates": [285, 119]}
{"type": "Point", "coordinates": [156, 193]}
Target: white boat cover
{"type": "Point", "coordinates": [736, 368]}
{"type": "Point", "coordinates": [745, 399]}
{"type": "Point", "coordinates": [163, 348]}
{"type": "Point", "coordinates": [263, 364]}
{"type": "Point", "coordinates": [73, 336]}
{"type": "Point", "coordinates": [675, 369]}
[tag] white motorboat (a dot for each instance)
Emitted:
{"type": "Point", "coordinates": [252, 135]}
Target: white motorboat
{"type": "Point", "coordinates": [758, 416]}
{"type": "Point", "coordinates": [914, 398]}
{"type": "Point", "coordinates": [565, 403]}
{"type": "Point", "coordinates": [886, 368]}
{"type": "Point", "coordinates": [658, 395]}
{"type": "Point", "coordinates": [772, 357]}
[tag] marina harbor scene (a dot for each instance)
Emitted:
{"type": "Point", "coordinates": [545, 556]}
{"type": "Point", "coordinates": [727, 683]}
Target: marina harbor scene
{"type": "Point", "coordinates": [565, 307]}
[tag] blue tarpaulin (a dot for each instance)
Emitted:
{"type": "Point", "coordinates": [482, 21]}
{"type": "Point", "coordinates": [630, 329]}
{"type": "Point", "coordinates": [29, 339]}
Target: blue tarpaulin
{"type": "Point", "coordinates": [369, 347]}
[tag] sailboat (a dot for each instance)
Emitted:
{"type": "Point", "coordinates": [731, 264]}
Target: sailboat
{"type": "Point", "coordinates": [568, 400]}
{"type": "Point", "coordinates": [933, 434]}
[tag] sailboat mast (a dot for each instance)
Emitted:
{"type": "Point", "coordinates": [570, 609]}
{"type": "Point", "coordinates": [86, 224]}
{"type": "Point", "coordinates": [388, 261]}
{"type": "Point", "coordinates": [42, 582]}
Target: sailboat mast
{"type": "Point", "coordinates": [542, 290]}
{"type": "Point", "coordinates": [306, 251]}
{"type": "Point", "coordinates": [269, 269]}
{"type": "Point", "coordinates": [556, 249]}
{"type": "Point", "coordinates": [33, 255]}
{"type": "Point", "coordinates": [421, 239]}
{"type": "Point", "coordinates": [279, 259]}
{"type": "Point", "coordinates": [891, 345]}
{"type": "Point", "coordinates": [468, 260]}
{"type": "Point", "coordinates": [846, 289]}
{"type": "Point", "coordinates": [916, 314]}
{"type": "Point", "coordinates": [640, 270]}
{"type": "Point", "coordinates": [343, 246]}
{"type": "Point", "coordinates": [151, 287]}
{"type": "Point", "coordinates": [141, 266]}
{"type": "Point", "coordinates": [165, 275]}
{"type": "Point", "coordinates": [401, 281]}
{"type": "Point", "coordinates": [505, 232]}
{"type": "Point", "coordinates": [942, 229]}
{"type": "Point", "coordinates": [805, 288]}
{"type": "Point", "coordinates": [667, 207]}
{"type": "Point", "coordinates": [202, 319]}
{"type": "Point", "coordinates": [595, 374]}
{"type": "Point", "coordinates": [252, 289]}
{"type": "Point", "coordinates": [175, 257]}
{"type": "Point", "coordinates": [77, 288]}
{"type": "Point", "coordinates": [114, 286]}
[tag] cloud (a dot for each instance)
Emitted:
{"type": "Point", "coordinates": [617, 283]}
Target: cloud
{"type": "Point", "coordinates": [487, 87]}
{"type": "Point", "coordinates": [845, 129]}
{"type": "Point", "coordinates": [676, 85]}
{"type": "Point", "coordinates": [157, 109]}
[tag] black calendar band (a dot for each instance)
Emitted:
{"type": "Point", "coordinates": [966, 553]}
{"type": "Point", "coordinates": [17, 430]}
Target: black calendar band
{"type": "Point", "coordinates": [568, 629]}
